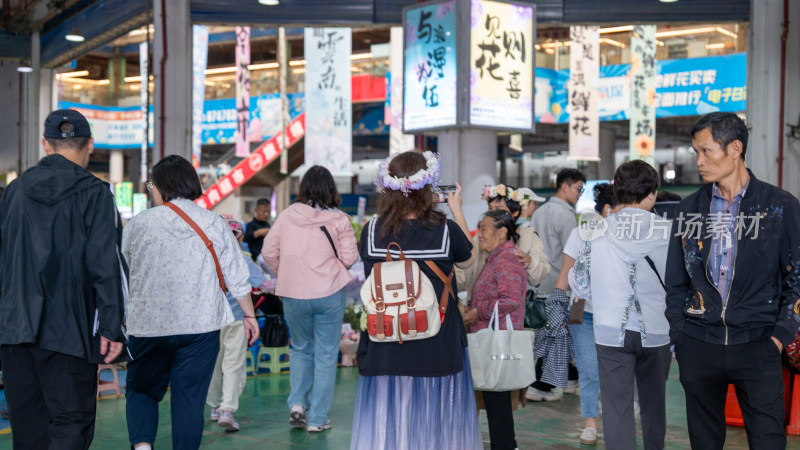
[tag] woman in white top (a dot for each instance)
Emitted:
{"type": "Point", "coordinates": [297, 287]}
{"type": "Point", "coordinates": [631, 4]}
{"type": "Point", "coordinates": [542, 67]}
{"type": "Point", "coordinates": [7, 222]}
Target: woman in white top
{"type": "Point", "coordinates": [177, 305]}
{"type": "Point", "coordinates": [620, 266]}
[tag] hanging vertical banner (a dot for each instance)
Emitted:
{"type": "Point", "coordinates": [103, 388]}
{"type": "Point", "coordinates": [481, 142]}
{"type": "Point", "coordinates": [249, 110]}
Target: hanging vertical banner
{"type": "Point", "coordinates": [398, 142]}
{"type": "Point", "coordinates": [502, 38]}
{"type": "Point", "coordinates": [584, 122]}
{"type": "Point", "coordinates": [329, 113]}
{"type": "Point", "coordinates": [144, 86]}
{"type": "Point", "coordinates": [429, 68]}
{"type": "Point", "coordinates": [199, 59]}
{"type": "Point", "coordinates": [643, 93]}
{"type": "Point", "coordinates": [242, 91]}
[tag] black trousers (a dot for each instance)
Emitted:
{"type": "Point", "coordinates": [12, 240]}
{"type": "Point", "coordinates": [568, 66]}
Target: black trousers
{"type": "Point", "coordinates": [754, 369]}
{"type": "Point", "coordinates": [620, 368]}
{"type": "Point", "coordinates": [501, 420]}
{"type": "Point", "coordinates": [51, 398]}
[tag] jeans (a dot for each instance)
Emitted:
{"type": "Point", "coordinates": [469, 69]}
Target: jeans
{"type": "Point", "coordinates": [183, 362]}
{"type": "Point", "coordinates": [586, 359]}
{"type": "Point", "coordinates": [316, 329]}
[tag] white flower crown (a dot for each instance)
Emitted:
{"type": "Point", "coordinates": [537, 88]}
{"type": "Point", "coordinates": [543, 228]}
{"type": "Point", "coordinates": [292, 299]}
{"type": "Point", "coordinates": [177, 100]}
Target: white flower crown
{"type": "Point", "coordinates": [423, 177]}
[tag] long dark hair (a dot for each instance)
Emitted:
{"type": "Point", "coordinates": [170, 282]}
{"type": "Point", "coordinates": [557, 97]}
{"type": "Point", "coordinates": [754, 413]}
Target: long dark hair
{"type": "Point", "coordinates": [175, 177]}
{"type": "Point", "coordinates": [394, 207]}
{"type": "Point", "coordinates": [503, 219]}
{"type": "Point", "coordinates": [317, 189]}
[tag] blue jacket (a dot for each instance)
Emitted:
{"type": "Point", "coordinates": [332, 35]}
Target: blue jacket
{"type": "Point", "coordinates": [764, 295]}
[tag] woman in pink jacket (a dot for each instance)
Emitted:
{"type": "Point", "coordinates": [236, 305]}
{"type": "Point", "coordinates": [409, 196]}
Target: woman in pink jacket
{"type": "Point", "coordinates": [309, 248]}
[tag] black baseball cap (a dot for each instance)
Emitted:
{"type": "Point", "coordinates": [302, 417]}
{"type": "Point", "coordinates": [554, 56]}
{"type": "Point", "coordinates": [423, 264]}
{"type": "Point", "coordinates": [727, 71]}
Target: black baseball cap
{"type": "Point", "coordinates": [52, 126]}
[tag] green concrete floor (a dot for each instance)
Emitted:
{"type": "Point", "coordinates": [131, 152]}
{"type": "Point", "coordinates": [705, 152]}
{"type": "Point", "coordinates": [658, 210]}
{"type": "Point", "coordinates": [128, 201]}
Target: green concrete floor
{"type": "Point", "coordinates": [263, 417]}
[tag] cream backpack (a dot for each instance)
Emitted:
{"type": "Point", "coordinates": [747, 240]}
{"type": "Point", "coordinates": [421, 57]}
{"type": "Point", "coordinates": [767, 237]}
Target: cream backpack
{"type": "Point", "coordinates": [400, 301]}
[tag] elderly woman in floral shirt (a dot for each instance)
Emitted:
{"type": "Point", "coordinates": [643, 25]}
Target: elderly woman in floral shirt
{"type": "Point", "coordinates": [502, 281]}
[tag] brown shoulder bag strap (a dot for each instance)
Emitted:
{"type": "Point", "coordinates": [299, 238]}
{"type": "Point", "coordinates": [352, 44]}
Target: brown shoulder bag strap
{"type": "Point", "coordinates": [206, 240]}
{"type": "Point", "coordinates": [448, 287]}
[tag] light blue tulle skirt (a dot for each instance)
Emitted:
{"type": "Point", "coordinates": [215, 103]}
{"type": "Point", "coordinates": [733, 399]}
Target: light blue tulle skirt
{"type": "Point", "coordinates": [399, 413]}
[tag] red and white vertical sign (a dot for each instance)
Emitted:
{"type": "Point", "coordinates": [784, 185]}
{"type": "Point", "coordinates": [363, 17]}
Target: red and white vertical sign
{"type": "Point", "coordinates": [242, 91]}
{"type": "Point", "coordinates": [582, 101]}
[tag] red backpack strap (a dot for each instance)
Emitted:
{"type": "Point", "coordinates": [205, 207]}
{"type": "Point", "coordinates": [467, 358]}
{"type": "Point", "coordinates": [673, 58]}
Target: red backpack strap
{"type": "Point", "coordinates": [448, 285]}
{"type": "Point", "coordinates": [380, 306]}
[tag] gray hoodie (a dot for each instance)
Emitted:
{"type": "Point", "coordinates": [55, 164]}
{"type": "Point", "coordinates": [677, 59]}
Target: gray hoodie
{"type": "Point", "coordinates": [625, 290]}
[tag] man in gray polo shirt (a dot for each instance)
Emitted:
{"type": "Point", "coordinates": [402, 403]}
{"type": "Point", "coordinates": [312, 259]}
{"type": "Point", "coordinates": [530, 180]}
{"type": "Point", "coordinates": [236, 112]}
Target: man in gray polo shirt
{"type": "Point", "coordinates": [554, 222]}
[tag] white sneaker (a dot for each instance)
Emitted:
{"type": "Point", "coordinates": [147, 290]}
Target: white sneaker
{"type": "Point", "coordinates": [554, 395]}
{"type": "Point", "coordinates": [297, 416]}
{"type": "Point", "coordinates": [589, 436]}
{"type": "Point", "coordinates": [534, 395]}
{"type": "Point", "coordinates": [214, 414]}
{"type": "Point", "coordinates": [316, 429]}
{"type": "Point", "coordinates": [227, 421]}
{"type": "Point", "coordinates": [572, 387]}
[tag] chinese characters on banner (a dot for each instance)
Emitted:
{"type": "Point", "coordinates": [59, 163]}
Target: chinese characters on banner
{"type": "Point", "coordinates": [643, 93]}
{"type": "Point", "coordinates": [398, 142]}
{"type": "Point", "coordinates": [143, 97]}
{"type": "Point", "coordinates": [329, 113]}
{"type": "Point", "coordinates": [502, 40]}
{"type": "Point", "coordinates": [242, 91]}
{"type": "Point", "coordinates": [199, 58]}
{"type": "Point", "coordinates": [429, 70]}
{"type": "Point", "coordinates": [584, 123]}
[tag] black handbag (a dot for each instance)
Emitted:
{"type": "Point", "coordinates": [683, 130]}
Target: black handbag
{"type": "Point", "coordinates": [535, 311]}
{"type": "Point", "coordinates": [274, 333]}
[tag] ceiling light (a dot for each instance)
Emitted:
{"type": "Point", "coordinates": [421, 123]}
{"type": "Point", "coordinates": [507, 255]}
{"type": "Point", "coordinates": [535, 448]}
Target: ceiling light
{"type": "Point", "coordinates": [726, 32]}
{"type": "Point", "coordinates": [25, 69]}
{"type": "Point", "coordinates": [685, 32]}
{"type": "Point", "coordinates": [361, 56]}
{"type": "Point", "coordinates": [612, 42]}
{"type": "Point", "coordinates": [273, 65]}
{"type": "Point", "coordinates": [269, 2]}
{"type": "Point", "coordinates": [715, 46]}
{"type": "Point", "coordinates": [74, 36]}
{"type": "Point", "coordinates": [668, 1]}
{"type": "Point", "coordinates": [616, 29]}
{"type": "Point", "coordinates": [79, 73]}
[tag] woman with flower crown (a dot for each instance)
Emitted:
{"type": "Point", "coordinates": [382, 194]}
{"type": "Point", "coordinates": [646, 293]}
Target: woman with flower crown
{"type": "Point", "coordinates": [416, 394]}
{"type": "Point", "coordinates": [529, 247]}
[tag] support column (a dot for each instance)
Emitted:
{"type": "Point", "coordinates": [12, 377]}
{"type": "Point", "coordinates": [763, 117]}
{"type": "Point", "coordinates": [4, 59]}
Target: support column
{"type": "Point", "coordinates": [172, 63]}
{"type": "Point", "coordinates": [469, 157]}
{"type": "Point", "coordinates": [763, 88]}
{"type": "Point", "coordinates": [608, 147]}
{"type": "Point", "coordinates": [32, 130]}
{"type": "Point", "coordinates": [116, 166]}
{"type": "Point", "coordinates": [282, 194]}
{"type": "Point", "coordinates": [791, 145]}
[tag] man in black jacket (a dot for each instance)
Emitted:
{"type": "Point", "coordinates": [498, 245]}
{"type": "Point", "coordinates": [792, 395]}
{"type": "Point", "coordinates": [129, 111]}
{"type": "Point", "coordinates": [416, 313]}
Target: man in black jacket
{"type": "Point", "coordinates": [62, 288]}
{"type": "Point", "coordinates": [733, 289]}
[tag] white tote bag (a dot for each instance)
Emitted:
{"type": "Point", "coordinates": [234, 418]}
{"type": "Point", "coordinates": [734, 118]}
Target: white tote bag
{"type": "Point", "coordinates": [501, 360]}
